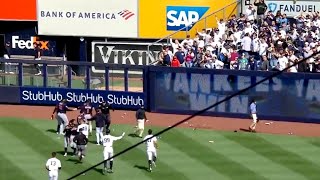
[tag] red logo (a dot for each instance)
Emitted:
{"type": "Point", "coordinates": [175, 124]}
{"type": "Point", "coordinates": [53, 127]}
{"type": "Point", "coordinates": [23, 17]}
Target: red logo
{"type": "Point", "coordinates": [126, 14]}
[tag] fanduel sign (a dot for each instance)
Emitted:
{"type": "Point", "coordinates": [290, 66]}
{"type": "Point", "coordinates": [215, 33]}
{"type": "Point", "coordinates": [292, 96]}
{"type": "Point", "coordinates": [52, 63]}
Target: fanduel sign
{"type": "Point", "coordinates": [75, 97]}
{"type": "Point", "coordinates": [126, 53]}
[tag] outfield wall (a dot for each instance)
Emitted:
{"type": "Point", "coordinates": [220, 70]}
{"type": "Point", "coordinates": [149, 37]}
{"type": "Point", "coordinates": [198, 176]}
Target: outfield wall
{"type": "Point", "coordinates": [290, 96]}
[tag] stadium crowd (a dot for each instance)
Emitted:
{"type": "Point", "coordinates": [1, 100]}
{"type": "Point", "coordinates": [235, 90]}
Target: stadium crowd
{"type": "Point", "coordinates": [257, 40]}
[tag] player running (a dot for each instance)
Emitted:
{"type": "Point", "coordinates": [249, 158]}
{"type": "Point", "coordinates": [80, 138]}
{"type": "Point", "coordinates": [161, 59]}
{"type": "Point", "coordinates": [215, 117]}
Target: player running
{"type": "Point", "coordinates": [87, 110]}
{"type": "Point", "coordinates": [107, 141]}
{"type": "Point", "coordinates": [152, 147]}
{"type": "Point", "coordinates": [141, 118]}
{"type": "Point", "coordinates": [61, 110]}
{"type": "Point", "coordinates": [69, 133]}
{"type": "Point", "coordinates": [84, 127]}
{"type": "Point", "coordinates": [53, 165]}
{"type": "Point", "coordinates": [81, 140]}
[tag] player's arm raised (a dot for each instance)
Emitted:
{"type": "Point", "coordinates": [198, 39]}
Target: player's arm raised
{"type": "Point", "coordinates": [120, 137]}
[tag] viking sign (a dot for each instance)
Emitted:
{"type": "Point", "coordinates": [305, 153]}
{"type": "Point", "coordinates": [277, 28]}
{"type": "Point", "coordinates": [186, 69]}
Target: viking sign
{"type": "Point", "coordinates": [123, 53]}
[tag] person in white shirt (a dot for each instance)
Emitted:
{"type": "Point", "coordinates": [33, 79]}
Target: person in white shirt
{"type": "Point", "coordinates": [283, 62]}
{"type": "Point", "coordinates": [263, 47]}
{"type": "Point", "coordinates": [84, 127]}
{"type": "Point", "coordinates": [221, 26]}
{"type": "Point", "coordinates": [250, 13]}
{"type": "Point", "coordinates": [255, 44]}
{"type": "Point", "coordinates": [246, 43]}
{"type": "Point", "coordinates": [188, 41]}
{"type": "Point", "coordinates": [53, 166]}
{"type": "Point", "coordinates": [249, 29]}
{"type": "Point", "coordinates": [107, 142]}
{"type": "Point", "coordinates": [152, 145]}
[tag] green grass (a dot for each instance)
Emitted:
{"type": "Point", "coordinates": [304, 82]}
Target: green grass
{"type": "Point", "coordinates": [183, 154]}
{"type": "Point", "coordinates": [53, 82]}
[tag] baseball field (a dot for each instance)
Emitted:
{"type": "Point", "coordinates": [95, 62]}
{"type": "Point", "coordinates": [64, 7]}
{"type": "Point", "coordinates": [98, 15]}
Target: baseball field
{"type": "Point", "coordinates": [205, 148]}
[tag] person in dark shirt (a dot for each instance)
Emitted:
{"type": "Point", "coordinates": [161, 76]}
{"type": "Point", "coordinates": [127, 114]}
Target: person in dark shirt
{"type": "Point", "coordinates": [81, 141]}
{"type": "Point", "coordinates": [60, 110]}
{"type": "Point", "coordinates": [100, 119]}
{"type": "Point", "coordinates": [69, 136]}
{"type": "Point", "coordinates": [141, 118]}
{"type": "Point", "coordinates": [180, 55]}
{"type": "Point", "coordinates": [261, 9]}
{"type": "Point", "coordinates": [7, 55]}
{"type": "Point", "coordinates": [105, 109]}
{"type": "Point", "coordinates": [37, 57]}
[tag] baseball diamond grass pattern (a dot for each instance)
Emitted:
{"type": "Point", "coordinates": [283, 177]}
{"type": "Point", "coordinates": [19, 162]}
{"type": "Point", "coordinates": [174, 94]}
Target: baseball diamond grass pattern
{"type": "Point", "coordinates": [183, 154]}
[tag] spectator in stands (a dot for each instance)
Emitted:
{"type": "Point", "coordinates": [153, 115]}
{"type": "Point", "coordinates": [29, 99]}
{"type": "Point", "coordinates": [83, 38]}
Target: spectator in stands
{"type": "Point", "coordinates": [7, 55]}
{"type": "Point", "coordinates": [244, 43]}
{"type": "Point", "coordinates": [175, 62]}
{"type": "Point", "coordinates": [37, 57]}
{"type": "Point", "coordinates": [261, 10]}
{"type": "Point", "coordinates": [250, 12]}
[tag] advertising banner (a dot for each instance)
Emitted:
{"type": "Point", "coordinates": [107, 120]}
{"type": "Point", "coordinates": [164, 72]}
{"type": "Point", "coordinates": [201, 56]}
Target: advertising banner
{"type": "Point", "coordinates": [21, 43]}
{"type": "Point", "coordinates": [9, 94]}
{"type": "Point", "coordinates": [287, 96]}
{"type": "Point", "coordinates": [158, 19]}
{"type": "Point", "coordinates": [18, 10]}
{"type": "Point", "coordinates": [96, 18]}
{"type": "Point", "coordinates": [290, 7]}
{"type": "Point", "coordinates": [123, 53]}
{"type": "Point", "coordinates": [75, 97]}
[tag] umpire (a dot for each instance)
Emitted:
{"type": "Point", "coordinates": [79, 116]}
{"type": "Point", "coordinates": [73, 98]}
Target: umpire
{"type": "Point", "coordinates": [105, 109]}
{"type": "Point", "coordinates": [81, 140]}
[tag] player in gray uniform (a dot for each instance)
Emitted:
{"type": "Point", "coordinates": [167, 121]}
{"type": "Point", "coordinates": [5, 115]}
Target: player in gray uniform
{"type": "Point", "coordinates": [61, 110]}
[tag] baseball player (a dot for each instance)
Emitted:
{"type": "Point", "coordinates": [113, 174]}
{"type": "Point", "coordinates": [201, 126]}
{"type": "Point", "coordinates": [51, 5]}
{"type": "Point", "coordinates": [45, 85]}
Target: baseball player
{"type": "Point", "coordinates": [152, 146]}
{"type": "Point", "coordinates": [61, 110]}
{"type": "Point", "coordinates": [141, 118]}
{"type": "Point", "coordinates": [105, 109]}
{"type": "Point", "coordinates": [80, 118]}
{"type": "Point", "coordinates": [107, 141]}
{"type": "Point", "coordinates": [53, 166]}
{"type": "Point", "coordinates": [100, 122]}
{"type": "Point", "coordinates": [253, 110]}
{"type": "Point", "coordinates": [81, 141]}
{"type": "Point", "coordinates": [84, 127]}
{"type": "Point", "coordinates": [69, 134]}
{"type": "Point", "coordinates": [87, 110]}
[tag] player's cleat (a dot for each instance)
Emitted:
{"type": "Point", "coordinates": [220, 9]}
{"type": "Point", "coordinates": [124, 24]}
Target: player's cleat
{"type": "Point", "coordinates": [104, 171]}
{"type": "Point", "coordinates": [110, 171]}
{"type": "Point", "coordinates": [150, 169]}
{"type": "Point", "coordinates": [98, 144]}
{"type": "Point", "coordinates": [154, 164]}
{"type": "Point", "coordinates": [65, 154]}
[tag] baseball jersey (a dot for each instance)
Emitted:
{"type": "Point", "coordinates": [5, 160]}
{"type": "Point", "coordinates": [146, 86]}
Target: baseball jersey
{"type": "Point", "coordinates": [107, 140]}
{"type": "Point", "coordinates": [150, 143]}
{"type": "Point", "coordinates": [85, 129]}
{"type": "Point", "coordinates": [53, 164]}
{"type": "Point", "coordinates": [86, 108]}
{"type": "Point", "coordinates": [62, 107]}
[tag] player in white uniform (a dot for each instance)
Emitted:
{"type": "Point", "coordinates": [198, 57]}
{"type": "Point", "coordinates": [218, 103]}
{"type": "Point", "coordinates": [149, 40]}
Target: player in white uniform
{"type": "Point", "coordinates": [84, 127]}
{"type": "Point", "coordinates": [107, 142]}
{"type": "Point", "coordinates": [152, 146]}
{"type": "Point", "coordinates": [53, 165]}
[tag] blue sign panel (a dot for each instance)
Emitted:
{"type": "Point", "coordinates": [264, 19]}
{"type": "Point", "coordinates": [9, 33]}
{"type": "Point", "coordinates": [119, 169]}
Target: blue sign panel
{"type": "Point", "coordinates": [75, 97]}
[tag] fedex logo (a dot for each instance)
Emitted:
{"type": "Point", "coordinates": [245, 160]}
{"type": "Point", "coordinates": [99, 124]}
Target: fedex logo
{"type": "Point", "coordinates": [28, 44]}
{"type": "Point", "coordinates": [179, 17]}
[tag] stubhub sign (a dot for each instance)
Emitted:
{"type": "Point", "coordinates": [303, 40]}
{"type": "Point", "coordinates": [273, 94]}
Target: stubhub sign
{"type": "Point", "coordinates": [75, 97]}
{"type": "Point", "coordinates": [179, 17]}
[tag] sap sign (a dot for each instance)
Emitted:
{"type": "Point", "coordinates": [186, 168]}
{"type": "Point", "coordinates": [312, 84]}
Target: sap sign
{"type": "Point", "coordinates": [179, 17]}
{"type": "Point", "coordinates": [75, 97]}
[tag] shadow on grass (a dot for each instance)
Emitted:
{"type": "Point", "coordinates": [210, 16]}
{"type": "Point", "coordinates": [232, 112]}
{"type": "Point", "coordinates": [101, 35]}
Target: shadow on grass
{"type": "Point", "coordinates": [98, 170]}
{"type": "Point", "coordinates": [133, 135]}
{"type": "Point", "coordinates": [76, 161]}
{"type": "Point", "coordinates": [51, 130]}
{"type": "Point", "coordinates": [144, 168]}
